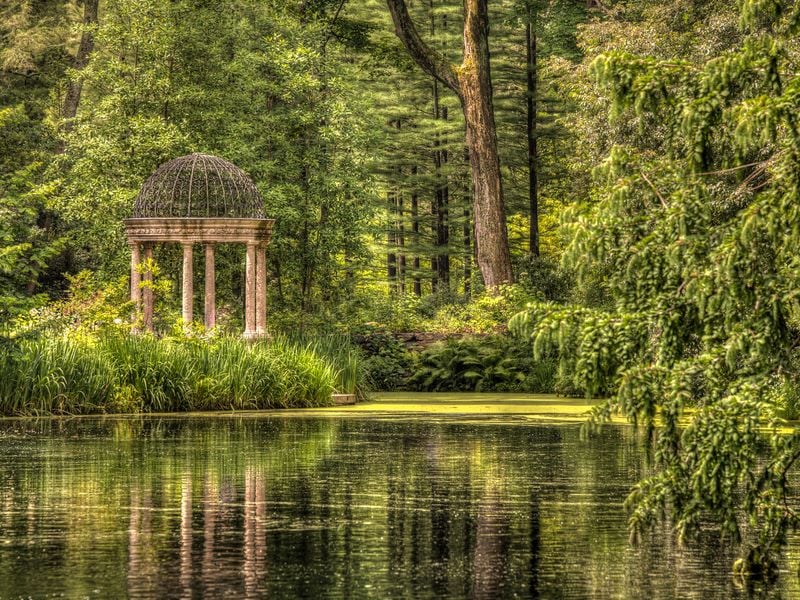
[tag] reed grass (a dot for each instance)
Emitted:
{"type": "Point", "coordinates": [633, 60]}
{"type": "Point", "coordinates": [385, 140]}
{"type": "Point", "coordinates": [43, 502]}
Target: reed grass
{"type": "Point", "coordinates": [117, 373]}
{"type": "Point", "coordinates": [339, 351]}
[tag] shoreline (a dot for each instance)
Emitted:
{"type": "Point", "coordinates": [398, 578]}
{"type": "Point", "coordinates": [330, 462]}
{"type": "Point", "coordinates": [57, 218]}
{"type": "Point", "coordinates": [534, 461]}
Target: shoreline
{"type": "Point", "coordinates": [490, 408]}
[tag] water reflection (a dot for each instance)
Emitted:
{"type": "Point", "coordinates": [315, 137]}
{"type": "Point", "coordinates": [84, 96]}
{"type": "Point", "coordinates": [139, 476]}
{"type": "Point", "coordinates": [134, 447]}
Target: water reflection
{"type": "Point", "coordinates": [328, 508]}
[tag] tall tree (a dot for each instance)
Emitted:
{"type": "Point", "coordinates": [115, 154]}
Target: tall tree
{"type": "Point", "coordinates": [74, 86]}
{"type": "Point", "coordinates": [471, 82]}
{"type": "Point", "coordinates": [530, 131]}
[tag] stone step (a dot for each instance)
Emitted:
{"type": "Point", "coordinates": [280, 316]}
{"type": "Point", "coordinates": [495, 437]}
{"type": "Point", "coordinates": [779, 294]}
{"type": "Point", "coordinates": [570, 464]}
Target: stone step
{"type": "Point", "coordinates": [343, 399]}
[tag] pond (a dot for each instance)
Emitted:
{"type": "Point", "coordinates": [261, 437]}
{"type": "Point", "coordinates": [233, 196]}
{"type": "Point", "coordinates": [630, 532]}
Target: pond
{"type": "Point", "coordinates": [335, 504]}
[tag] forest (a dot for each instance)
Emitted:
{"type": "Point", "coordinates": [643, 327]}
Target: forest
{"type": "Point", "coordinates": [592, 198]}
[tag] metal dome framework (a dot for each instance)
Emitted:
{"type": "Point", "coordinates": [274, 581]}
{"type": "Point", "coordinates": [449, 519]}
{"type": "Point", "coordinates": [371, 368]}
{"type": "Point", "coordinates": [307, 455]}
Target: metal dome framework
{"type": "Point", "coordinates": [199, 185]}
{"type": "Point", "coordinates": [200, 199]}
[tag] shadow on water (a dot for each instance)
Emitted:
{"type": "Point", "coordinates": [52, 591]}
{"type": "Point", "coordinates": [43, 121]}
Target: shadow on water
{"type": "Point", "coordinates": [332, 508]}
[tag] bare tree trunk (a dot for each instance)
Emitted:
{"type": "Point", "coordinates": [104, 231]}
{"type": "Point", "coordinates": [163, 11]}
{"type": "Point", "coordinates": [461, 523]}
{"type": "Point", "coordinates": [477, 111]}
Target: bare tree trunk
{"type": "Point", "coordinates": [415, 232]}
{"type": "Point", "coordinates": [391, 242]}
{"type": "Point", "coordinates": [441, 193]}
{"type": "Point", "coordinates": [442, 216]}
{"type": "Point", "coordinates": [401, 242]}
{"type": "Point", "coordinates": [441, 230]}
{"type": "Point", "coordinates": [533, 150]}
{"type": "Point", "coordinates": [472, 83]}
{"type": "Point", "coordinates": [494, 258]}
{"type": "Point", "coordinates": [434, 257]}
{"type": "Point", "coordinates": [74, 86]}
{"type": "Point", "coordinates": [467, 254]}
{"type": "Point", "coordinates": [392, 232]}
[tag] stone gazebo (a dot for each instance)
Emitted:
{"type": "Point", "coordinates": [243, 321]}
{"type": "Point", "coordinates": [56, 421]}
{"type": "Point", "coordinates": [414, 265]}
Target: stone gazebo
{"type": "Point", "coordinates": [201, 199]}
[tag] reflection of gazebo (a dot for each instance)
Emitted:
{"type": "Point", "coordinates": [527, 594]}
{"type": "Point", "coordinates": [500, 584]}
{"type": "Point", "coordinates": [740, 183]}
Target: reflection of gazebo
{"type": "Point", "coordinates": [201, 199]}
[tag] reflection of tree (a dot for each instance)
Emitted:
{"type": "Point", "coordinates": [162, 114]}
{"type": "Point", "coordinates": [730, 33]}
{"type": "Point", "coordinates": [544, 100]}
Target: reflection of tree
{"type": "Point", "coordinates": [186, 536]}
{"type": "Point", "coordinates": [396, 511]}
{"type": "Point", "coordinates": [412, 510]}
{"type": "Point", "coordinates": [210, 509]}
{"type": "Point", "coordinates": [142, 565]}
{"type": "Point", "coordinates": [492, 544]}
{"type": "Point", "coordinates": [441, 512]}
{"type": "Point", "coordinates": [535, 544]}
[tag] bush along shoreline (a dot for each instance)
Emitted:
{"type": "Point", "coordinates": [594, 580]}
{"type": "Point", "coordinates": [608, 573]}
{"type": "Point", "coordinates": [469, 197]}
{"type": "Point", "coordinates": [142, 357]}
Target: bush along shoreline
{"type": "Point", "coordinates": [495, 362]}
{"type": "Point", "coordinates": [116, 373]}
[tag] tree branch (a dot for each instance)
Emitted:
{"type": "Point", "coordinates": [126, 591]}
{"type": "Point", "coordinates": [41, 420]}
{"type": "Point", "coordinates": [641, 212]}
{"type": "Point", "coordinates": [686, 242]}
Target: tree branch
{"type": "Point", "coordinates": [430, 62]}
{"type": "Point", "coordinates": [332, 24]}
{"type": "Point", "coordinates": [654, 188]}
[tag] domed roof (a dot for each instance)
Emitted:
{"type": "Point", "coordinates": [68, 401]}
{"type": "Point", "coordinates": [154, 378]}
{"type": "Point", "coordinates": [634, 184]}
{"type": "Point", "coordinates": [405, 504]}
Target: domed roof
{"type": "Point", "coordinates": [199, 185]}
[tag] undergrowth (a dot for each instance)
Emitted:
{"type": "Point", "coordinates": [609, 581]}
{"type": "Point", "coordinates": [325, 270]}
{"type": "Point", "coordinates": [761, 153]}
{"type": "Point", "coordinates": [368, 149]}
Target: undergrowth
{"type": "Point", "coordinates": [120, 373]}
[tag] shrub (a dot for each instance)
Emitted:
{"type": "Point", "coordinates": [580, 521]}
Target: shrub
{"type": "Point", "coordinates": [493, 363]}
{"type": "Point", "coordinates": [387, 363]}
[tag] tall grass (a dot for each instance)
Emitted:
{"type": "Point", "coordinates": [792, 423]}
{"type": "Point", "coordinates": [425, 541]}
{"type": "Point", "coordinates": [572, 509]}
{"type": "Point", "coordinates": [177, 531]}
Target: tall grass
{"type": "Point", "coordinates": [340, 352]}
{"type": "Point", "coordinates": [129, 374]}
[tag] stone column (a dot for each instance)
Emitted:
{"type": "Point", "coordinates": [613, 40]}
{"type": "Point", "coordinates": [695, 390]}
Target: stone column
{"type": "Point", "coordinates": [136, 277]}
{"type": "Point", "coordinates": [188, 284]}
{"type": "Point", "coordinates": [136, 284]}
{"type": "Point", "coordinates": [211, 289]}
{"type": "Point", "coordinates": [250, 291]}
{"type": "Point", "coordinates": [147, 292]}
{"type": "Point", "coordinates": [261, 290]}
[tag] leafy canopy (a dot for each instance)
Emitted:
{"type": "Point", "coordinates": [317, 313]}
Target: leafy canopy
{"type": "Point", "coordinates": [698, 243]}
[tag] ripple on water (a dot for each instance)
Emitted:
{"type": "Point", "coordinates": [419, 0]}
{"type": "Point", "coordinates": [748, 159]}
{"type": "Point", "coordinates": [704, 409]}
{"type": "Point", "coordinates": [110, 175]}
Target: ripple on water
{"type": "Point", "coordinates": [332, 507]}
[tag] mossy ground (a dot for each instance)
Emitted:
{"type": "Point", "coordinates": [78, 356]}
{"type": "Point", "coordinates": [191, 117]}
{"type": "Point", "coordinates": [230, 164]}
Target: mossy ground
{"type": "Point", "coordinates": [473, 407]}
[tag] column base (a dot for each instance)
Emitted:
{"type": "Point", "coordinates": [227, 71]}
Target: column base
{"type": "Point", "coordinates": [256, 335]}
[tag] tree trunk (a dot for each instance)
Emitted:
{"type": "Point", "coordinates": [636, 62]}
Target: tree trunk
{"type": "Point", "coordinates": [442, 214]}
{"type": "Point", "coordinates": [467, 231]}
{"type": "Point", "coordinates": [401, 242]}
{"type": "Point", "coordinates": [392, 236]}
{"type": "Point", "coordinates": [441, 265]}
{"type": "Point", "coordinates": [533, 151]}
{"type": "Point", "coordinates": [391, 242]}
{"type": "Point", "coordinates": [434, 257]}
{"type": "Point", "coordinates": [494, 258]}
{"type": "Point", "coordinates": [472, 83]}
{"type": "Point", "coordinates": [74, 86]}
{"type": "Point", "coordinates": [415, 232]}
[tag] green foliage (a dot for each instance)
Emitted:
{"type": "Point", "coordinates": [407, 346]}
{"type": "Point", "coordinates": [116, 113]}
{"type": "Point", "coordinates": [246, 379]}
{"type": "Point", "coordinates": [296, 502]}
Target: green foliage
{"type": "Point", "coordinates": [542, 278]}
{"type": "Point", "coordinates": [260, 83]}
{"type": "Point", "coordinates": [26, 248]}
{"type": "Point", "coordinates": [89, 307]}
{"type": "Point", "coordinates": [387, 363]}
{"type": "Point", "coordinates": [484, 313]}
{"type": "Point", "coordinates": [492, 363]}
{"type": "Point", "coordinates": [79, 374]}
{"type": "Point", "coordinates": [697, 244]}
{"type": "Point", "coordinates": [438, 313]}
